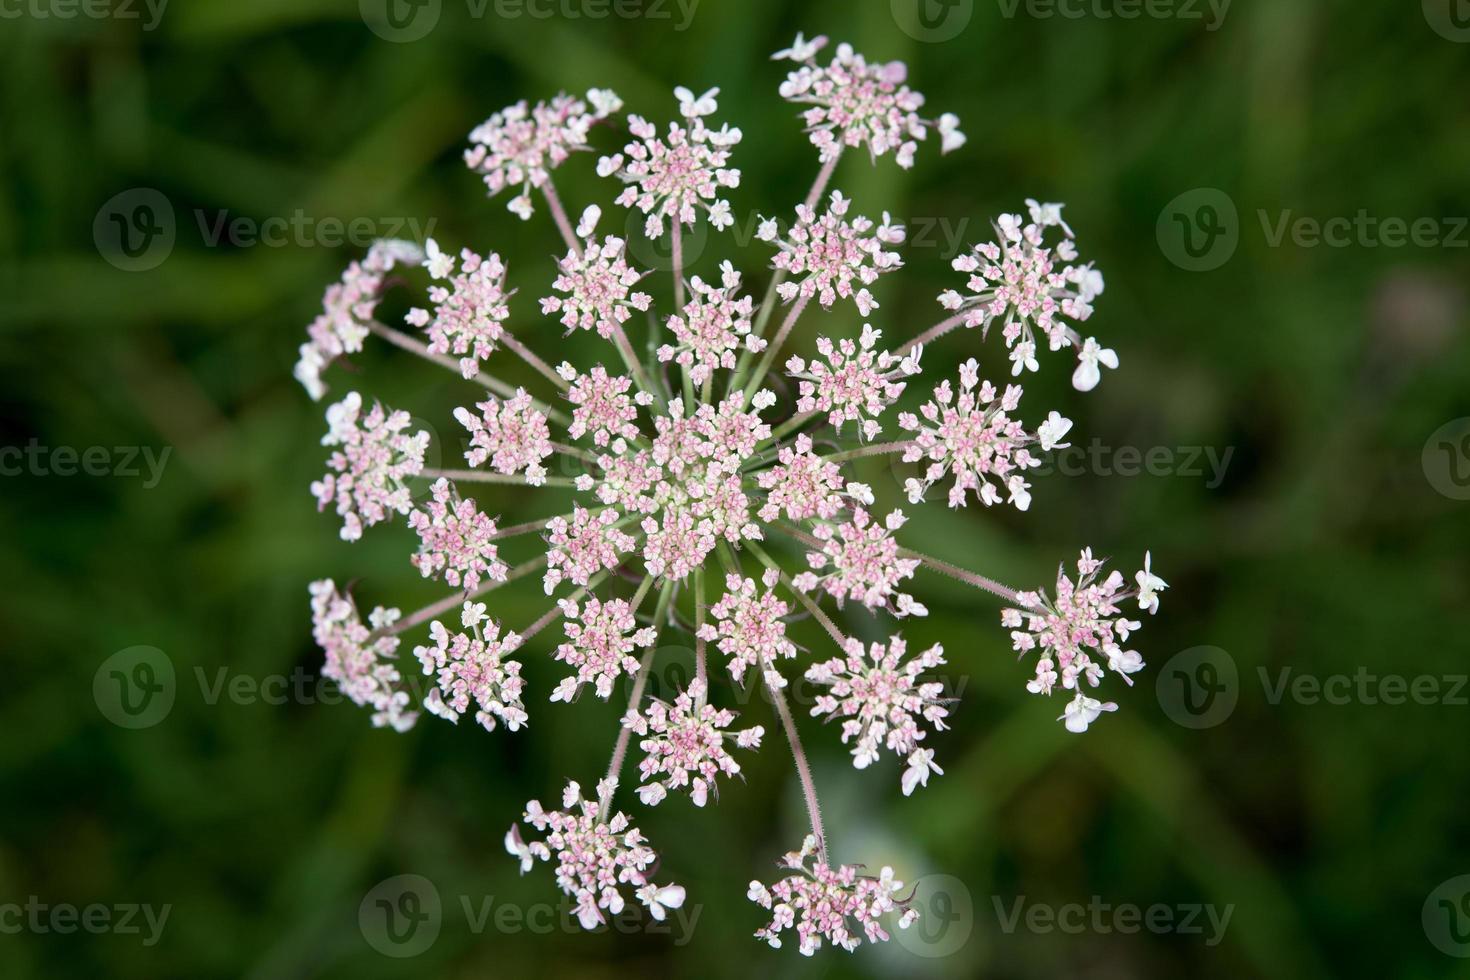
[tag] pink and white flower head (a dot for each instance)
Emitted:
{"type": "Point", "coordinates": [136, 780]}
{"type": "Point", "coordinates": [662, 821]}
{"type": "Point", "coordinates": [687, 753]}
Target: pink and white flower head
{"type": "Point", "coordinates": [826, 256]}
{"type": "Point", "coordinates": [1079, 634]}
{"type": "Point", "coordinates": [520, 145]}
{"type": "Point", "coordinates": [369, 472]}
{"type": "Point", "coordinates": [684, 745]}
{"type": "Point", "coordinates": [750, 627]}
{"type": "Point", "coordinates": [470, 312]}
{"type": "Point", "coordinates": [590, 543]}
{"type": "Point", "coordinates": [839, 905]}
{"type": "Point", "coordinates": [596, 858]}
{"type": "Point", "coordinates": [598, 283]}
{"type": "Point", "coordinates": [601, 405]}
{"type": "Point", "coordinates": [473, 667]}
{"type": "Point", "coordinates": [681, 175]}
{"type": "Point", "coordinates": [359, 660]}
{"type": "Point", "coordinates": [883, 703]}
{"type": "Point", "coordinates": [713, 326]}
{"type": "Point", "coordinates": [601, 638]}
{"type": "Point", "coordinates": [856, 383]}
{"type": "Point", "coordinates": [707, 450]}
{"type": "Point", "coordinates": [1028, 286]}
{"type": "Point", "coordinates": [455, 539]}
{"type": "Point", "coordinates": [855, 103]}
{"type": "Point", "coordinates": [801, 485]}
{"type": "Point", "coordinates": [687, 484]}
{"type": "Point", "coordinates": [510, 434]}
{"type": "Point", "coordinates": [973, 438]}
{"type": "Point", "coordinates": [347, 309]}
{"type": "Point", "coordinates": [860, 560]}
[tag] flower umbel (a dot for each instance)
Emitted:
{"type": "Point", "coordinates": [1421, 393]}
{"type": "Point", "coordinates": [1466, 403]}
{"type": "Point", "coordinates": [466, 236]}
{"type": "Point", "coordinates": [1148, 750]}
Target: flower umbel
{"type": "Point", "coordinates": [520, 145]}
{"type": "Point", "coordinates": [972, 438]}
{"type": "Point", "coordinates": [706, 484]}
{"type": "Point", "coordinates": [826, 256]}
{"type": "Point", "coordinates": [1026, 286]}
{"type": "Point", "coordinates": [360, 660]}
{"type": "Point", "coordinates": [472, 666]}
{"type": "Point", "coordinates": [855, 103]}
{"type": "Point", "coordinates": [1080, 633]}
{"type": "Point", "coordinates": [369, 473]}
{"type": "Point", "coordinates": [684, 745]}
{"type": "Point", "coordinates": [596, 858]}
{"type": "Point", "coordinates": [840, 905]}
{"type": "Point", "coordinates": [879, 695]}
{"type": "Point", "coordinates": [470, 312]}
{"type": "Point", "coordinates": [681, 175]}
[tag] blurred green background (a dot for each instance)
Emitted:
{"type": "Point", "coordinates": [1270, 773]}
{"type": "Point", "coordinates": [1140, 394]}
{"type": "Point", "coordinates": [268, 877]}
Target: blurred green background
{"type": "Point", "coordinates": [1334, 542]}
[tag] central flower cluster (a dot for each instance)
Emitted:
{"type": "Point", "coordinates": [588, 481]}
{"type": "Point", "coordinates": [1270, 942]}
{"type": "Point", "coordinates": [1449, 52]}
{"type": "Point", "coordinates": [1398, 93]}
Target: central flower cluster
{"type": "Point", "coordinates": [686, 488]}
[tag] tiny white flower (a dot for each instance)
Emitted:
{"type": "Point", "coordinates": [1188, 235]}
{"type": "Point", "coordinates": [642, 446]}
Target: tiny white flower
{"type": "Point", "coordinates": [1124, 662]}
{"type": "Point", "coordinates": [440, 265]}
{"type": "Point", "coordinates": [473, 614]}
{"type": "Point", "coordinates": [950, 137]}
{"type": "Point", "coordinates": [1023, 358]}
{"type": "Point", "coordinates": [692, 106]}
{"type": "Point", "coordinates": [720, 216]}
{"type": "Point", "coordinates": [520, 206]}
{"type": "Point", "coordinates": [518, 848]}
{"type": "Point", "coordinates": [1083, 711]}
{"type": "Point", "coordinates": [604, 101]}
{"type": "Point", "coordinates": [1149, 585]}
{"type": "Point", "coordinates": [1087, 375]}
{"type": "Point", "coordinates": [1048, 215]}
{"type": "Point", "coordinates": [588, 224]}
{"type": "Point", "coordinates": [801, 49]}
{"type": "Point", "coordinates": [1020, 492]}
{"type": "Point", "coordinates": [1052, 431]}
